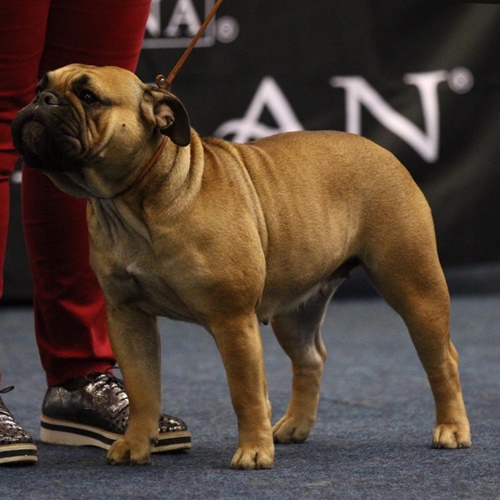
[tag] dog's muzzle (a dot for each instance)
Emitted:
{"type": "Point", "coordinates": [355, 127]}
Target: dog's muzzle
{"type": "Point", "coordinates": [48, 134]}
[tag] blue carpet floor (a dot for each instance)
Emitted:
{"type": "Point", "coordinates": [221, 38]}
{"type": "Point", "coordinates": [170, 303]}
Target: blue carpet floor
{"type": "Point", "coordinates": [371, 441]}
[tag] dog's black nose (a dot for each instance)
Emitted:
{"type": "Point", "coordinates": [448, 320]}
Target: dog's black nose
{"type": "Point", "coordinates": [47, 98]}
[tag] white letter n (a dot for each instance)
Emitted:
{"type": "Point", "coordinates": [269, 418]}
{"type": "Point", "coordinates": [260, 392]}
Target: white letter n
{"type": "Point", "coordinates": [359, 92]}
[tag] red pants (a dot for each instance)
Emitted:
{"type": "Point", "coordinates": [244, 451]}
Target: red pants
{"type": "Point", "coordinates": [35, 37]}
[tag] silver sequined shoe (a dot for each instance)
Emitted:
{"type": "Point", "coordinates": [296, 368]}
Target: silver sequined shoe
{"type": "Point", "coordinates": [16, 445]}
{"type": "Point", "coordinates": [97, 415]}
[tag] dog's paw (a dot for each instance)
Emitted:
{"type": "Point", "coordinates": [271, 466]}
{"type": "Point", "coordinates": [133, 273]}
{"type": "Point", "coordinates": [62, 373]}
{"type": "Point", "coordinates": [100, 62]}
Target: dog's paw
{"type": "Point", "coordinates": [290, 429]}
{"type": "Point", "coordinates": [121, 453]}
{"type": "Point", "coordinates": [252, 458]}
{"type": "Point", "coordinates": [451, 436]}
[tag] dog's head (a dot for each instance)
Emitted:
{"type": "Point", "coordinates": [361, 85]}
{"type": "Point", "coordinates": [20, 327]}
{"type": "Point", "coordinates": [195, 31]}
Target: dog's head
{"type": "Point", "coordinates": [90, 128]}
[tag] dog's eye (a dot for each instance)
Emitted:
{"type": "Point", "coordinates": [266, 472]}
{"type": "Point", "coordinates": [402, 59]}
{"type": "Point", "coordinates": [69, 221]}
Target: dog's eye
{"type": "Point", "coordinates": [88, 98]}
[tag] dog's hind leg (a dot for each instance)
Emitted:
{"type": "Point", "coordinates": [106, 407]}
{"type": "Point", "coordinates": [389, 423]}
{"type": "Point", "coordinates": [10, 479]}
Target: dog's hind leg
{"type": "Point", "coordinates": [410, 278]}
{"type": "Point", "coordinates": [298, 333]}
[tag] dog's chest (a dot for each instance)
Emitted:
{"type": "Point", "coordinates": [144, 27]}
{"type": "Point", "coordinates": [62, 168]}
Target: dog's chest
{"type": "Point", "coordinates": [130, 270]}
{"type": "Point", "coordinates": [138, 285]}
{"type": "Point", "coordinates": [134, 278]}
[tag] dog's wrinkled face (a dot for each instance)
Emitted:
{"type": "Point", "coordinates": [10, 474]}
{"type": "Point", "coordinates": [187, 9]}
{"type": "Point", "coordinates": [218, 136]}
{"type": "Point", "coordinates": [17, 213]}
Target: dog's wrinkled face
{"type": "Point", "coordinates": [90, 128]}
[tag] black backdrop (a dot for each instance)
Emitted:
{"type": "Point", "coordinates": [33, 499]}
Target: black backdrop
{"type": "Point", "coordinates": [420, 78]}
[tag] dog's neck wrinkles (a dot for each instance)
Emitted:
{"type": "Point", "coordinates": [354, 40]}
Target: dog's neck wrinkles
{"type": "Point", "coordinates": [109, 211]}
{"type": "Point", "coordinates": [108, 214]}
{"type": "Point", "coordinates": [144, 172]}
{"type": "Point", "coordinates": [179, 177]}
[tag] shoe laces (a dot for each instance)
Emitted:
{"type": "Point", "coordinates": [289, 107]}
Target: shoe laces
{"type": "Point", "coordinates": [115, 383]}
{"type": "Point", "coordinates": [116, 386]}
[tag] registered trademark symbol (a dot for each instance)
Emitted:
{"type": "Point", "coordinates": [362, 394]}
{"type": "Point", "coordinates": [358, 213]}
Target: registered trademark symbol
{"type": "Point", "coordinates": [227, 29]}
{"type": "Point", "coordinates": [460, 80]}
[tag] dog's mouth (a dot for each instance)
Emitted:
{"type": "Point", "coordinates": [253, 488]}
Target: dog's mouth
{"type": "Point", "coordinates": [48, 139]}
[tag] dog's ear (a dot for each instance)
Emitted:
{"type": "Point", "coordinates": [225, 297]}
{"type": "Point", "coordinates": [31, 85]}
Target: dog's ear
{"type": "Point", "coordinates": [171, 117]}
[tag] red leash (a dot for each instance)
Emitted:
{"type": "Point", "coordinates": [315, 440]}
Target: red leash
{"type": "Point", "coordinates": [165, 83]}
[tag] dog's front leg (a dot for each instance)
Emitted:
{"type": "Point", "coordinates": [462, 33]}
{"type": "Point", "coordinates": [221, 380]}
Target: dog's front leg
{"type": "Point", "coordinates": [240, 345]}
{"type": "Point", "coordinates": [135, 340]}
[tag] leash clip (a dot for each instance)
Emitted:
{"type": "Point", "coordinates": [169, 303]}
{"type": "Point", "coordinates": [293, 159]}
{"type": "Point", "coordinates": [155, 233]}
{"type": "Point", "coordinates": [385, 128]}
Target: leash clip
{"type": "Point", "coordinates": [161, 82]}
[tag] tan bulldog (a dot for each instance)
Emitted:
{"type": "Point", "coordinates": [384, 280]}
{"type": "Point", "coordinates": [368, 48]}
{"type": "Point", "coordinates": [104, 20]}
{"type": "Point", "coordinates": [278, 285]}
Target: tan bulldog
{"type": "Point", "coordinates": [229, 235]}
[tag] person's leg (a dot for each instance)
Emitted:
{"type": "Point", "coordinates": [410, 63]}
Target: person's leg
{"type": "Point", "coordinates": [70, 319]}
{"type": "Point", "coordinates": [22, 34]}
